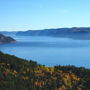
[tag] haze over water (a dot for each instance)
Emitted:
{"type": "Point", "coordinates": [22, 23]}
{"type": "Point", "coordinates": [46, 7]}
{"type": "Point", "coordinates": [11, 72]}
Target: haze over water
{"type": "Point", "coordinates": [50, 51]}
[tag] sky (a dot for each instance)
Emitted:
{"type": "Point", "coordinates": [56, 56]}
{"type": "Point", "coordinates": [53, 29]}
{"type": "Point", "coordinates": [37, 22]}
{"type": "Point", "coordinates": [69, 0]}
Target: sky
{"type": "Point", "coordinates": [20, 15]}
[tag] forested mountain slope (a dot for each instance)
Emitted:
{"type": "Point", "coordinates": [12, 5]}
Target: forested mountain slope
{"type": "Point", "coordinates": [20, 74]}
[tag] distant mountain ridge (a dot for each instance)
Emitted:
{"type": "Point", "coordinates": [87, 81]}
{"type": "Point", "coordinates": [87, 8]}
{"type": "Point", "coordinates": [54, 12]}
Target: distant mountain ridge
{"type": "Point", "coordinates": [8, 33]}
{"type": "Point", "coordinates": [5, 39]}
{"type": "Point", "coordinates": [76, 33]}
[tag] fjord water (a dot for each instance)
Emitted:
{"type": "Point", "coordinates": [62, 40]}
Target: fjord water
{"type": "Point", "coordinates": [50, 50]}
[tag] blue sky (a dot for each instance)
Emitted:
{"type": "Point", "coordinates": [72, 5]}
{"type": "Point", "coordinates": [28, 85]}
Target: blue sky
{"type": "Point", "coordinates": [41, 14]}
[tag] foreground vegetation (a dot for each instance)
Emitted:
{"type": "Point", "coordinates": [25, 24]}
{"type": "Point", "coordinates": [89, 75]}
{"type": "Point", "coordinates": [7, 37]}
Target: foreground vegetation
{"type": "Point", "coordinates": [20, 74]}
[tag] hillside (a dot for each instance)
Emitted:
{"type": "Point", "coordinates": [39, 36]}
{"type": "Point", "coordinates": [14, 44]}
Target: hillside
{"type": "Point", "coordinates": [5, 39]}
{"type": "Point", "coordinates": [75, 33]}
{"type": "Point", "coordinates": [20, 74]}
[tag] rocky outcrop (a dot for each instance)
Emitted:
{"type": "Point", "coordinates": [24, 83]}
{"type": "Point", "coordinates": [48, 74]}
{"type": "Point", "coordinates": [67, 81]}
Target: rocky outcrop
{"type": "Point", "coordinates": [5, 39]}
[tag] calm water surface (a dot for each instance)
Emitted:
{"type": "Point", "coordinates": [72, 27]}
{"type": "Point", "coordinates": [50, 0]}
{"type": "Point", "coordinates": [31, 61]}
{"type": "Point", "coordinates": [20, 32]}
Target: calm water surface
{"type": "Point", "coordinates": [50, 51]}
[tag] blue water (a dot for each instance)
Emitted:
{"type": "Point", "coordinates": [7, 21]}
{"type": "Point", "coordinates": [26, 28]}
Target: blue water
{"type": "Point", "coordinates": [50, 51]}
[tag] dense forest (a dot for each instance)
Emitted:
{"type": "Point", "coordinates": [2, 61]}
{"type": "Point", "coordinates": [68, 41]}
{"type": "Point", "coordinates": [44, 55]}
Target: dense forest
{"type": "Point", "coordinates": [20, 74]}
